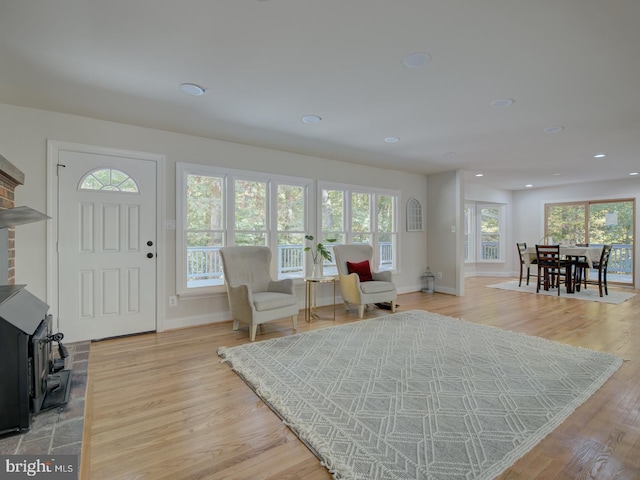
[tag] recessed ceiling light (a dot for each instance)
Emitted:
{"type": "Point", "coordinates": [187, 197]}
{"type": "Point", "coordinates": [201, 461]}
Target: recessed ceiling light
{"type": "Point", "coordinates": [192, 89]}
{"type": "Point", "coordinates": [528, 185]}
{"type": "Point", "coordinates": [600, 155]}
{"type": "Point", "coordinates": [416, 60]}
{"type": "Point", "coordinates": [311, 119]}
{"type": "Point", "coordinates": [557, 174]}
{"type": "Point", "coordinates": [556, 129]}
{"type": "Point", "coordinates": [449, 154]}
{"type": "Point", "coordinates": [392, 139]}
{"type": "Point", "coordinates": [502, 103]}
{"type": "Point", "coordinates": [479, 174]}
{"type": "Point", "coordinates": [633, 173]}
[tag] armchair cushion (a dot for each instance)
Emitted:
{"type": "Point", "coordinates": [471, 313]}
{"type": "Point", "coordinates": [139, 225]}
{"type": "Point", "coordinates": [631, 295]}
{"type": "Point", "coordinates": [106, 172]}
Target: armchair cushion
{"type": "Point", "coordinates": [363, 269]}
{"type": "Point", "coordinates": [270, 300]}
{"type": "Point", "coordinates": [377, 287]}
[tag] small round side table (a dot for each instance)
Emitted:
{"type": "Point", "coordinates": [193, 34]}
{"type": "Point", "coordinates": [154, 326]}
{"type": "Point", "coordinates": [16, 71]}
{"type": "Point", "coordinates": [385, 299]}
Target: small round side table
{"type": "Point", "coordinates": [310, 296]}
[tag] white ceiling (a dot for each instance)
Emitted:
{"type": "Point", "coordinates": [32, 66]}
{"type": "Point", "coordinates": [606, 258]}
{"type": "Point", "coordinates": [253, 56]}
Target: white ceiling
{"type": "Point", "coordinates": [265, 64]}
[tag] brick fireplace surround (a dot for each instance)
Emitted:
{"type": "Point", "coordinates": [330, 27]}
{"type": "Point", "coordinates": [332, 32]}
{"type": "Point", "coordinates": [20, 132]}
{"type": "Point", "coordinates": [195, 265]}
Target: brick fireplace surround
{"type": "Point", "coordinates": [10, 178]}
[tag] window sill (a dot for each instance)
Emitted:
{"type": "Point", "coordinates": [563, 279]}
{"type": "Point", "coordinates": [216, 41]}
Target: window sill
{"type": "Point", "coordinates": [202, 292]}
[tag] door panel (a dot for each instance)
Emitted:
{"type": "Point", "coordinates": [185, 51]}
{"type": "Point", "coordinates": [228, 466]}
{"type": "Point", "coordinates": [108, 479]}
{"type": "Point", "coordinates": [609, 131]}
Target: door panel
{"type": "Point", "coordinates": [107, 282]}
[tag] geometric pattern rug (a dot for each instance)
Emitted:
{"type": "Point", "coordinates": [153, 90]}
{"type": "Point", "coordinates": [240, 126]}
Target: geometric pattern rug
{"type": "Point", "coordinates": [592, 293]}
{"type": "Point", "coordinates": [419, 395]}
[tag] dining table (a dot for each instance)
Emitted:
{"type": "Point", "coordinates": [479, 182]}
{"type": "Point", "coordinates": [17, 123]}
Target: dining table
{"type": "Point", "coordinates": [573, 253]}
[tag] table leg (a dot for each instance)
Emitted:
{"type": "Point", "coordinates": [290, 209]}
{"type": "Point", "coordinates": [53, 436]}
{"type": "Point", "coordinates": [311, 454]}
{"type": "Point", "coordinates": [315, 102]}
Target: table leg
{"type": "Point", "coordinates": [307, 303]}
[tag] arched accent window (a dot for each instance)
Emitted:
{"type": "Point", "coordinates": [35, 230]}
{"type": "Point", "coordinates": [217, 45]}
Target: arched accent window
{"type": "Point", "coordinates": [414, 215]}
{"type": "Point", "coordinates": [110, 180]}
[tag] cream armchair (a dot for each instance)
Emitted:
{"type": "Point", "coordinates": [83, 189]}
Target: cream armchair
{"type": "Point", "coordinates": [379, 289]}
{"type": "Point", "coordinates": [254, 297]}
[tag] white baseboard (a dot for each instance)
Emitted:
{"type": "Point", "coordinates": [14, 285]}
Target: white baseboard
{"type": "Point", "coordinates": [491, 274]}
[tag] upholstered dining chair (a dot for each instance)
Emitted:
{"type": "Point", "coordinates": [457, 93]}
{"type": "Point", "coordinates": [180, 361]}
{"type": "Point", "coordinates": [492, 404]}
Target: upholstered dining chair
{"type": "Point", "coordinates": [522, 248]}
{"type": "Point", "coordinates": [358, 283]}
{"type": "Point", "coordinates": [551, 268]}
{"type": "Point", "coordinates": [601, 266]}
{"type": "Point", "coordinates": [254, 297]}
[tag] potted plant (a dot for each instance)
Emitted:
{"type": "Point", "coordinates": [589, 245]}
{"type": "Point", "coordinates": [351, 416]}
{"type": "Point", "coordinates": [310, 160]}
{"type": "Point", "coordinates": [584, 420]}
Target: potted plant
{"type": "Point", "coordinates": [319, 253]}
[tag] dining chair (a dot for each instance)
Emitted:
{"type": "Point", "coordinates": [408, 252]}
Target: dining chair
{"type": "Point", "coordinates": [578, 265]}
{"type": "Point", "coordinates": [522, 248]}
{"type": "Point", "coordinates": [601, 265]}
{"type": "Point", "coordinates": [551, 268]}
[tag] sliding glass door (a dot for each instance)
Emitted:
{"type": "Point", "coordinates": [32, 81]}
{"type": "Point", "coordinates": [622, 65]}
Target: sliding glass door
{"type": "Point", "coordinates": [597, 223]}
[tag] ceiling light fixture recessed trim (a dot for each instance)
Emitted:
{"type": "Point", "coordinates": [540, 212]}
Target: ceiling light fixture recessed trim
{"type": "Point", "coordinates": [311, 119]}
{"type": "Point", "coordinates": [528, 185]}
{"type": "Point", "coordinates": [552, 130]}
{"type": "Point", "coordinates": [634, 173]}
{"type": "Point", "coordinates": [502, 103]}
{"type": "Point", "coordinates": [479, 174]}
{"type": "Point", "coordinates": [392, 139]}
{"type": "Point", "coordinates": [192, 89]}
{"type": "Point", "coordinates": [416, 60]}
{"type": "Point", "coordinates": [600, 155]}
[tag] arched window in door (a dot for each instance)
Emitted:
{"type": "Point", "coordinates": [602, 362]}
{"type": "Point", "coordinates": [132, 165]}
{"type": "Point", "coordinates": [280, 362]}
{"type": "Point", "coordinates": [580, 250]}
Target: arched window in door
{"type": "Point", "coordinates": [109, 180]}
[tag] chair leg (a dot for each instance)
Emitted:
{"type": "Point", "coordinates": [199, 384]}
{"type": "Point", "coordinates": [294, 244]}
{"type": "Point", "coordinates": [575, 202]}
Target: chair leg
{"type": "Point", "coordinates": [528, 274]}
{"type": "Point", "coordinates": [253, 329]}
{"type": "Point", "coordinates": [346, 306]}
{"type": "Point", "coordinates": [520, 284]}
{"type": "Point", "coordinates": [393, 306]}
{"type": "Point", "coordinates": [236, 324]}
{"type": "Point", "coordinates": [294, 320]}
{"type": "Point", "coordinates": [360, 310]}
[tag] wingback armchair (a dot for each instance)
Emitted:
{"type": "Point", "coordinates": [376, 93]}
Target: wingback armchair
{"type": "Point", "coordinates": [379, 288]}
{"type": "Point", "coordinates": [254, 297]}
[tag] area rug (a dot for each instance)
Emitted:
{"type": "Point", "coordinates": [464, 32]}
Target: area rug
{"type": "Point", "coordinates": [592, 293]}
{"type": "Point", "coordinates": [419, 395]}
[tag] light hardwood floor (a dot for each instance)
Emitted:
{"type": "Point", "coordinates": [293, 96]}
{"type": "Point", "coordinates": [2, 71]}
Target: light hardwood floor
{"type": "Point", "coordinates": [162, 406]}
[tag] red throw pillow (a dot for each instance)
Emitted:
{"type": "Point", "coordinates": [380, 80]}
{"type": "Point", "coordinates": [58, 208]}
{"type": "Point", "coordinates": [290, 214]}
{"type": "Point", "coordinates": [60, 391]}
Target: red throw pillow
{"type": "Point", "coordinates": [363, 269]}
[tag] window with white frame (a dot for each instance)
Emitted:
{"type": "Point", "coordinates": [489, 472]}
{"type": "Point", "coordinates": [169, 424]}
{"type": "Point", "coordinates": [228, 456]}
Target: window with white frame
{"type": "Point", "coordinates": [491, 226]}
{"type": "Point", "coordinates": [218, 207]}
{"type": "Point", "coordinates": [469, 233]}
{"type": "Point", "coordinates": [352, 214]}
{"type": "Point", "coordinates": [484, 232]}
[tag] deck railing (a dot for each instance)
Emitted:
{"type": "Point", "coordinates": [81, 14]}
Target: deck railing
{"type": "Point", "coordinates": [203, 263]}
{"type": "Point", "coordinates": [620, 261]}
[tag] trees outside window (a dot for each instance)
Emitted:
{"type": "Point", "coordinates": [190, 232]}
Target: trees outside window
{"type": "Point", "coordinates": [230, 207]}
{"type": "Point", "coordinates": [484, 232]}
{"type": "Point", "coordinates": [218, 207]}
{"type": "Point", "coordinates": [596, 222]}
{"type": "Point", "coordinates": [250, 212]}
{"type": "Point", "coordinates": [355, 215]}
{"type": "Point", "coordinates": [491, 233]}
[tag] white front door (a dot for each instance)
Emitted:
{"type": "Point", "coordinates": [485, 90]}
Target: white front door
{"type": "Point", "coordinates": [106, 245]}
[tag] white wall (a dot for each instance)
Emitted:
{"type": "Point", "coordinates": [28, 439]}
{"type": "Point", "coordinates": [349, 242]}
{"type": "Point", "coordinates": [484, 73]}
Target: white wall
{"type": "Point", "coordinates": [23, 136]}
{"type": "Point", "coordinates": [528, 206]}
{"type": "Point", "coordinates": [445, 208]}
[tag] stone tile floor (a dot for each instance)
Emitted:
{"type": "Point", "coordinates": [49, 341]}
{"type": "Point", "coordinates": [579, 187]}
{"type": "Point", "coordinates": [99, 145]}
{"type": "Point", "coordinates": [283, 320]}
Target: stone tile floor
{"type": "Point", "coordinates": [59, 430]}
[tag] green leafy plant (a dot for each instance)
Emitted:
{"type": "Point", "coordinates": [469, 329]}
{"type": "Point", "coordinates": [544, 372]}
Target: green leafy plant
{"type": "Point", "coordinates": [319, 251]}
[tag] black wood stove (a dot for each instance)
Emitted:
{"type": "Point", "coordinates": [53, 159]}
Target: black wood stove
{"type": "Point", "coordinates": [31, 379]}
